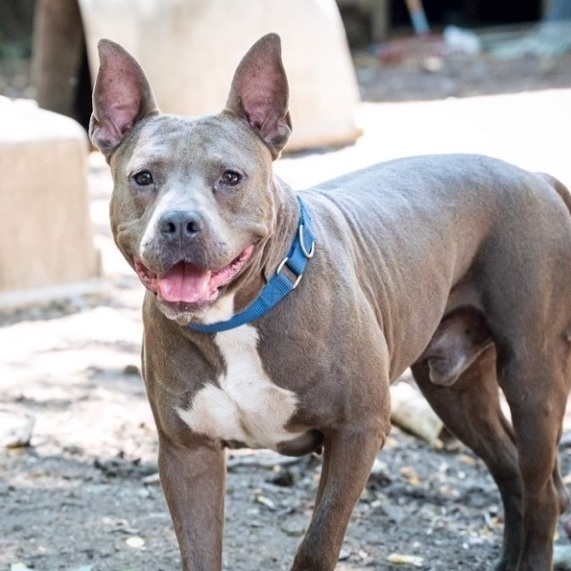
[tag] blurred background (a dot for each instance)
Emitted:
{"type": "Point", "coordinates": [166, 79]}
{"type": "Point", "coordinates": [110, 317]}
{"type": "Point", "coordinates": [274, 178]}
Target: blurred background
{"type": "Point", "coordinates": [510, 44]}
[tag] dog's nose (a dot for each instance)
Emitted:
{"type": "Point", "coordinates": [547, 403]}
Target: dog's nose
{"type": "Point", "coordinates": [180, 225]}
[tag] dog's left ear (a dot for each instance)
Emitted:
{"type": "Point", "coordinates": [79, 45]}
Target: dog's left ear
{"type": "Point", "coordinates": [260, 93]}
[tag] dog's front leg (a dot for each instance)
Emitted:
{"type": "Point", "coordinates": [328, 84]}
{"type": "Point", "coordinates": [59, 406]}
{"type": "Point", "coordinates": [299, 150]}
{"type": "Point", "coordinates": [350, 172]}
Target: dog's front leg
{"type": "Point", "coordinates": [193, 481]}
{"type": "Point", "coordinates": [348, 456]}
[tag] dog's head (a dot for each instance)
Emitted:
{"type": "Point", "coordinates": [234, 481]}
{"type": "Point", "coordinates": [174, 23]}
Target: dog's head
{"type": "Point", "coordinates": [192, 203]}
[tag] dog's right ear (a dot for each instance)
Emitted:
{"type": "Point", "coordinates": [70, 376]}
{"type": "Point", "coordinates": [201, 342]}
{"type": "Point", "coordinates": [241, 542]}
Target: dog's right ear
{"type": "Point", "coordinates": [121, 97]}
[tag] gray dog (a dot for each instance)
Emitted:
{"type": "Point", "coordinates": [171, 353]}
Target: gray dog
{"type": "Point", "coordinates": [278, 320]}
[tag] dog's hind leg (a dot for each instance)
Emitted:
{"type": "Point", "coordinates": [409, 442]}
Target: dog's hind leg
{"type": "Point", "coordinates": [530, 331]}
{"type": "Point", "coordinates": [470, 408]}
{"type": "Point", "coordinates": [536, 390]}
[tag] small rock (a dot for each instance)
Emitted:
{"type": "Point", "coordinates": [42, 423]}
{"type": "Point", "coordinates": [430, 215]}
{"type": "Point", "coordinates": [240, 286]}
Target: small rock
{"type": "Point", "coordinates": [293, 529]}
{"type": "Point", "coordinates": [409, 473]}
{"type": "Point", "coordinates": [135, 542]}
{"type": "Point", "coordinates": [73, 449]}
{"type": "Point", "coordinates": [131, 370]}
{"type": "Point", "coordinates": [379, 474]}
{"type": "Point", "coordinates": [151, 479]}
{"type": "Point", "coordinates": [283, 478]}
{"type": "Point", "coordinates": [266, 502]}
{"type": "Point", "coordinates": [15, 429]}
{"type": "Point", "coordinates": [378, 468]}
{"type": "Point", "coordinates": [344, 555]}
{"type": "Point", "coordinates": [363, 555]}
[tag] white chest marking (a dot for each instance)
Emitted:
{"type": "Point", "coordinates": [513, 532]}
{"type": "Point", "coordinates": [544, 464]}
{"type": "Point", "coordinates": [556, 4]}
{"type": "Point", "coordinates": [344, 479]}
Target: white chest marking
{"type": "Point", "coordinates": [245, 406]}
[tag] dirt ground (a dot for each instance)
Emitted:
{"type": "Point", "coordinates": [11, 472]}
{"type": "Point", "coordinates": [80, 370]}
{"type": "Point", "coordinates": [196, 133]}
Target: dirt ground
{"type": "Point", "coordinates": [84, 495]}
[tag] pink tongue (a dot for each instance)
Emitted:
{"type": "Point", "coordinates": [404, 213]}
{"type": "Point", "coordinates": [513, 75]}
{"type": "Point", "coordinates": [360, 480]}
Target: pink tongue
{"type": "Point", "coordinates": [185, 283]}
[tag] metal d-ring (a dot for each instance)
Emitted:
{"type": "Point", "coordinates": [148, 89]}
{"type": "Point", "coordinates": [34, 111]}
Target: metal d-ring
{"type": "Point", "coordinates": [307, 254]}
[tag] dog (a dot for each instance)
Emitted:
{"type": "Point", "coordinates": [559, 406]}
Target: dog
{"type": "Point", "coordinates": [275, 319]}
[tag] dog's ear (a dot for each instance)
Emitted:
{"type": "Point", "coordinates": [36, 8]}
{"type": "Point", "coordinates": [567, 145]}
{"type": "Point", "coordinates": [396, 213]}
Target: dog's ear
{"type": "Point", "coordinates": [260, 93]}
{"type": "Point", "coordinates": [122, 95]}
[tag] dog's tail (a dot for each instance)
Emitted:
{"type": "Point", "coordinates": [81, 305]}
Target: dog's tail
{"type": "Point", "coordinates": [560, 188]}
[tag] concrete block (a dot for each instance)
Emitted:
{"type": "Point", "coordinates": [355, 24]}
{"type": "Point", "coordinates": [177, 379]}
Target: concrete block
{"type": "Point", "coordinates": [46, 237]}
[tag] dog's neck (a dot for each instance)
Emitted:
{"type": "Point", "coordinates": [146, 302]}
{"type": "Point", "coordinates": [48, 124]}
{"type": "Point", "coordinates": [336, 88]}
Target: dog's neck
{"type": "Point", "coordinates": [284, 213]}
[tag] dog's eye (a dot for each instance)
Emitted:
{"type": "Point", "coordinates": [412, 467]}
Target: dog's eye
{"type": "Point", "coordinates": [231, 178]}
{"type": "Point", "coordinates": [143, 178]}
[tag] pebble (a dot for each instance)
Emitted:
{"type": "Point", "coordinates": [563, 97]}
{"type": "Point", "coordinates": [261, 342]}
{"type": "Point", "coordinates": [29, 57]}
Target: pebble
{"type": "Point", "coordinates": [293, 528]}
{"type": "Point", "coordinates": [16, 429]}
{"type": "Point", "coordinates": [344, 555]}
{"type": "Point", "coordinates": [136, 542]}
{"type": "Point", "coordinates": [131, 370]}
{"type": "Point", "coordinates": [283, 478]}
{"type": "Point", "coordinates": [151, 479]}
{"type": "Point", "coordinates": [266, 502]}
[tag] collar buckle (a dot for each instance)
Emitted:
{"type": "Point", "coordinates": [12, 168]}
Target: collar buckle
{"type": "Point", "coordinates": [280, 267]}
{"type": "Point", "coordinates": [292, 267]}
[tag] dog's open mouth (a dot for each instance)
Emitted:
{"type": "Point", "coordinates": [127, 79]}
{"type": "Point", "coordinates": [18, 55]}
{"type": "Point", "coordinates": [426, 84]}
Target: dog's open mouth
{"type": "Point", "coordinates": [186, 283]}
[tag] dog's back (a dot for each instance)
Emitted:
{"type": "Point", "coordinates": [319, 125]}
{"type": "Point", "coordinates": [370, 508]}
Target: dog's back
{"type": "Point", "coordinates": [420, 228]}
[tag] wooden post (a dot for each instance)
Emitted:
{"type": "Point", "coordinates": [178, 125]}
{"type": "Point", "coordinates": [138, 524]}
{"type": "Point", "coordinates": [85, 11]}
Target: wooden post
{"type": "Point", "coordinates": [58, 46]}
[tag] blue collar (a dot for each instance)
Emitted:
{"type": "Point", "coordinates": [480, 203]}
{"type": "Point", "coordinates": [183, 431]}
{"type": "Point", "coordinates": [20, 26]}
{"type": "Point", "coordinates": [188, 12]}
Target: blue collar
{"type": "Point", "coordinates": [279, 286]}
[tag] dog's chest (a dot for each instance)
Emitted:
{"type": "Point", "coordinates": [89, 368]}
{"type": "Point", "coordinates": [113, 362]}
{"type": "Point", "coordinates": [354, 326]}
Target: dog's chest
{"type": "Point", "coordinates": [245, 405]}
